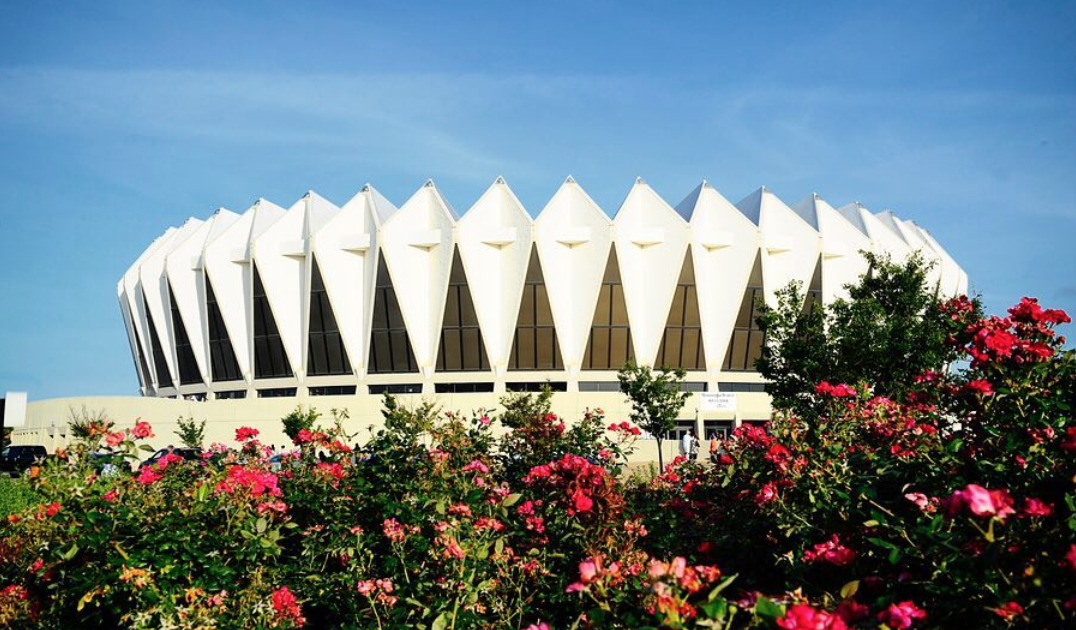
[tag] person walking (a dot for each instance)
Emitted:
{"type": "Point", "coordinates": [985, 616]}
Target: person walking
{"type": "Point", "coordinates": [713, 447]}
{"type": "Point", "coordinates": [685, 444]}
{"type": "Point", "coordinates": [694, 445]}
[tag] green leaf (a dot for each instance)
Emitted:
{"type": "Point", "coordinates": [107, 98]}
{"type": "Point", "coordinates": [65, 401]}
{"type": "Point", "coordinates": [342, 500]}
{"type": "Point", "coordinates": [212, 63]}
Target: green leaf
{"type": "Point", "coordinates": [512, 499]}
{"type": "Point", "coordinates": [260, 525]}
{"type": "Point", "coordinates": [70, 553]}
{"type": "Point", "coordinates": [722, 586]}
{"type": "Point", "coordinates": [849, 589]}
{"type": "Point", "coordinates": [440, 623]}
{"type": "Point", "coordinates": [769, 609]}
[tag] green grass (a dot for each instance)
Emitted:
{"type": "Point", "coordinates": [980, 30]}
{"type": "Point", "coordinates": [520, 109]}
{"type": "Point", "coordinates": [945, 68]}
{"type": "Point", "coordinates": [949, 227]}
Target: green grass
{"type": "Point", "coordinates": [15, 496]}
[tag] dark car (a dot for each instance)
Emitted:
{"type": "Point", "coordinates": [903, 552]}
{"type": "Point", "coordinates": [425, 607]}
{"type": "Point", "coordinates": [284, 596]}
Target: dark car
{"type": "Point", "coordinates": [16, 459]}
{"type": "Point", "coordinates": [187, 453]}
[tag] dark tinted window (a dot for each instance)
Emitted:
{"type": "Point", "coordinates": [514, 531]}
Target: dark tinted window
{"type": "Point", "coordinates": [221, 354]}
{"type": "Point", "coordinates": [814, 290]}
{"type": "Point", "coordinates": [746, 344]}
{"type": "Point", "coordinates": [270, 358]}
{"type": "Point", "coordinates": [535, 345]}
{"type": "Point", "coordinates": [557, 386]}
{"type": "Point", "coordinates": [188, 366]}
{"type": "Point", "coordinates": [326, 354]}
{"type": "Point", "coordinates": [334, 390]}
{"type": "Point", "coordinates": [140, 352]}
{"type": "Point", "coordinates": [461, 348]}
{"type": "Point", "coordinates": [396, 388]}
{"type": "Point", "coordinates": [277, 392]}
{"type": "Point", "coordinates": [462, 388]}
{"type": "Point", "coordinates": [681, 343]}
{"type": "Point", "coordinates": [164, 376]}
{"type": "Point", "coordinates": [609, 345]}
{"type": "Point", "coordinates": [390, 346]}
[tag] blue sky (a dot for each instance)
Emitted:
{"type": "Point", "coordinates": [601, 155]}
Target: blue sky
{"type": "Point", "coordinates": [119, 119]}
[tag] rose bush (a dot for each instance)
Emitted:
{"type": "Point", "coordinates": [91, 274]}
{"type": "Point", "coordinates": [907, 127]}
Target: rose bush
{"type": "Point", "coordinates": [953, 503]}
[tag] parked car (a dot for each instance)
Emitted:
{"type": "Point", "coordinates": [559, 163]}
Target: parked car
{"type": "Point", "coordinates": [187, 453]}
{"type": "Point", "coordinates": [16, 459]}
{"type": "Point", "coordinates": [107, 462]}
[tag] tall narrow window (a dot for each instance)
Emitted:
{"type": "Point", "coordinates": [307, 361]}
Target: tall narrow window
{"type": "Point", "coordinates": [141, 354]}
{"type": "Point", "coordinates": [390, 346]}
{"type": "Point", "coordinates": [609, 346]}
{"type": "Point", "coordinates": [164, 376]}
{"type": "Point", "coordinates": [681, 344]}
{"type": "Point", "coordinates": [461, 348]}
{"type": "Point", "coordinates": [326, 354]}
{"type": "Point", "coordinates": [535, 346]}
{"type": "Point", "coordinates": [813, 298]}
{"type": "Point", "coordinates": [188, 366]}
{"type": "Point", "coordinates": [270, 358]}
{"type": "Point", "coordinates": [746, 344]}
{"type": "Point", "coordinates": [222, 359]}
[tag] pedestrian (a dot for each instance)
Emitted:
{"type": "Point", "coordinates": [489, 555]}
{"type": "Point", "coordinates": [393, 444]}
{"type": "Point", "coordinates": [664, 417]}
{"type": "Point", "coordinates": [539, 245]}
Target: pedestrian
{"type": "Point", "coordinates": [685, 444]}
{"type": "Point", "coordinates": [713, 447]}
{"type": "Point", "coordinates": [694, 445]}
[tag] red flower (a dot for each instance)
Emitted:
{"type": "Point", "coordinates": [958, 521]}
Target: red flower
{"type": "Point", "coordinates": [901, 616]}
{"type": "Point", "coordinates": [831, 551]}
{"type": "Point", "coordinates": [804, 617]}
{"type": "Point", "coordinates": [581, 502]}
{"type": "Point", "coordinates": [1009, 610]}
{"type": "Point", "coordinates": [766, 494]}
{"type": "Point", "coordinates": [111, 496]}
{"type": "Point", "coordinates": [287, 606]}
{"type": "Point", "coordinates": [477, 466]}
{"type": "Point", "coordinates": [837, 391]}
{"type": "Point", "coordinates": [979, 386]}
{"type": "Point", "coordinates": [115, 439]}
{"type": "Point", "coordinates": [256, 482]}
{"type": "Point", "coordinates": [1070, 557]}
{"type": "Point", "coordinates": [303, 436]}
{"type": "Point", "coordinates": [981, 502]}
{"type": "Point", "coordinates": [331, 470]}
{"type": "Point", "coordinates": [242, 434]}
{"type": "Point", "coordinates": [1034, 507]}
{"type": "Point", "coordinates": [1069, 443]}
{"type": "Point", "coordinates": [142, 430]}
{"type": "Point", "coordinates": [148, 475]}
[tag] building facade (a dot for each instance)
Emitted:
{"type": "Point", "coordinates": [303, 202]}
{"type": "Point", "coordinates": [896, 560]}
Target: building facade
{"type": "Point", "coordinates": [239, 318]}
{"type": "Point", "coordinates": [320, 300]}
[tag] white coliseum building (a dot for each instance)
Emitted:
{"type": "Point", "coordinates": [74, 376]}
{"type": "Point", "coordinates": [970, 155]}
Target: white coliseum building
{"type": "Point", "coordinates": [256, 312]}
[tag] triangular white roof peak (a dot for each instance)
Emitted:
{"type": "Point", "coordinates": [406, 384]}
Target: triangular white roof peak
{"type": "Point", "coordinates": [645, 199]}
{"type": "Point", "coordinates": [429, 196]}
{"type": "Point", "coordinates": [382, 208]}
{"type": "Point", "coordinates": [576, 200]}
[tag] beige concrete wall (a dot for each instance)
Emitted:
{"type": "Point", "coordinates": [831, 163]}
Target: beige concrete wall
{"type": "Point", "coordinates": [46, 420]}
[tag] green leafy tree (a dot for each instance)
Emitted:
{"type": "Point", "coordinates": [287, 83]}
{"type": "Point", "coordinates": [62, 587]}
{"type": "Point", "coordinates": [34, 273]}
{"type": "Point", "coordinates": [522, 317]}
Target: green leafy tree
{"type": "Point", "coordinates": [656, 399]}
{"type": "Point", "coordinates": [190, 432]}
{"type": "Point", "coordinates": [298, 420]}
{"type": "Point", "coordinates": [890, 329]}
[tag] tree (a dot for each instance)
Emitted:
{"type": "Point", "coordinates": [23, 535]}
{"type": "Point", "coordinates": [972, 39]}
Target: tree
{"type": "Point", "coordinates": [656, 399]}
{"type": "Point", "coordinates": [190, 432]}
{"type": "Point", "coordinates": [298, 420]}
{"type": "Point", "coordinates": [890, 329]}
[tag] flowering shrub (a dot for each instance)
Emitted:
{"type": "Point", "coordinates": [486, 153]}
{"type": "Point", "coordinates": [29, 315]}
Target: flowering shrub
{"type": "Point", "coordinates": [951, 503]}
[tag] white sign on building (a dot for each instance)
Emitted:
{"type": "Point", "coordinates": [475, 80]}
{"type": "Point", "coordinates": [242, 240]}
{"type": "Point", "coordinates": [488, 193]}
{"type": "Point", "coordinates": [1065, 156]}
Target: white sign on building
{"type": "Point", "coordinates": [718, 401]}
